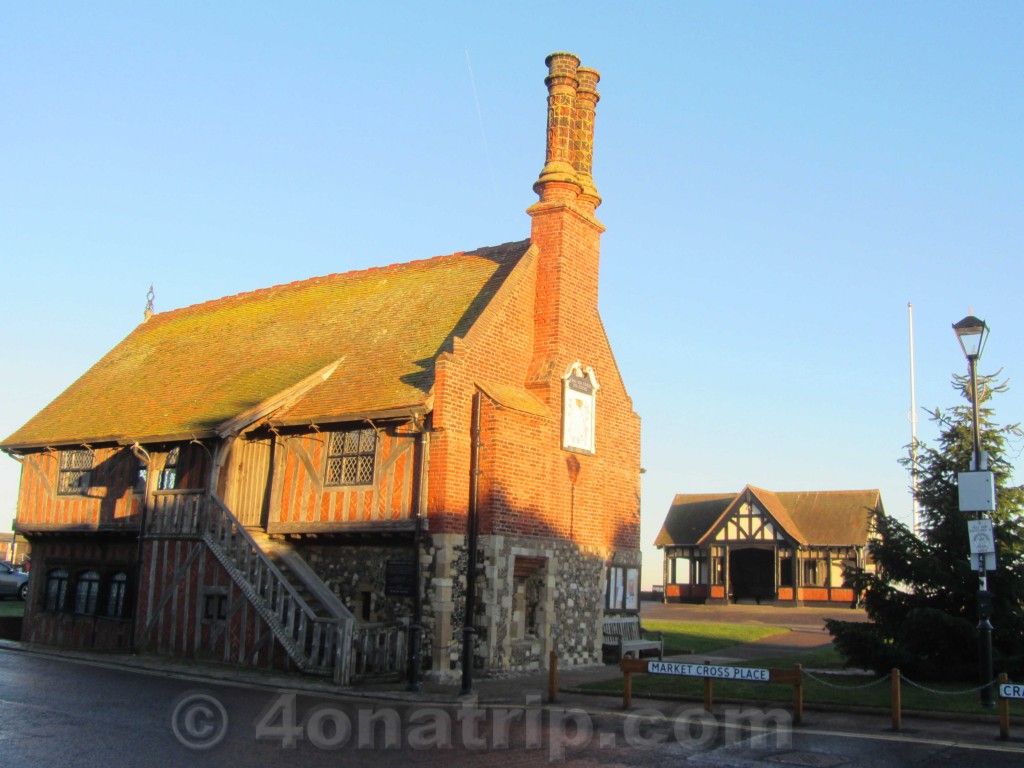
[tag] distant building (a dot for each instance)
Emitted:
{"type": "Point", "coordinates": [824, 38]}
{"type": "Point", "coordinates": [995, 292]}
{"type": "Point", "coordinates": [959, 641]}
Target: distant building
{"type": "Point", "coordinates": [284, 478]}
{"type": "Point", "coordinates": [766, 547]}
{"type": "Point", "coordinates": [15, 549]}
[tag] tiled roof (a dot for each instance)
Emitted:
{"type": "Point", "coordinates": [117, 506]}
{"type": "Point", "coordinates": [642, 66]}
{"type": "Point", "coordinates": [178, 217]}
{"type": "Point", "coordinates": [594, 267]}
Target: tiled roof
{"type": "Point", "coordinates": [189, 370]}
{"type": "Point", "coordinates": [514, 398]}
{"type": "Point", "coordinates": [691, 516]}
{"type": "Point", "coordinates": [833, 517]}
{"type": "Point", "coordinates": [819, 518]}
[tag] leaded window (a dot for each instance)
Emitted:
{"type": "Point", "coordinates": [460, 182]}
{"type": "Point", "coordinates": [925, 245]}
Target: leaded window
{"type": "Point", "coordinates": [75, 468]}
{"type": "Point", "coordinates": [350, 457]}
{"type": "Point", "coordinates": [116, 595]}
{"type": "Point", "coordinates": [168, 478]}
{"type": "Point", "coordinates": [56, 589]}
{"type": "Point", "coordinates": [141, 475]}
{"type": "Point", "coordinates": [87, 591]}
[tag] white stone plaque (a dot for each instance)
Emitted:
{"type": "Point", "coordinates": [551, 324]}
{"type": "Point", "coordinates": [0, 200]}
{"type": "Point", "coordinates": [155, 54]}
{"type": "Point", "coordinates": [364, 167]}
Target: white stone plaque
{"type": "Point", "coordinates": [579, 408]}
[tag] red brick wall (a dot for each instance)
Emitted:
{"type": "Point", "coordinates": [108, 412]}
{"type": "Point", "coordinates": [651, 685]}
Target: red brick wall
{"type": "Point", "coordinates": [545, 320]}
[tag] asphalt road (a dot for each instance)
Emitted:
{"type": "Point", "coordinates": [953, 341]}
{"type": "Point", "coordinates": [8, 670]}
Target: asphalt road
{"type": "Point", "coordinates": [61, 712]}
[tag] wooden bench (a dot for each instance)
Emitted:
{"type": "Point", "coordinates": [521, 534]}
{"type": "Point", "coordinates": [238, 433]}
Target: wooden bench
{"type": "Point", "coordinates": [623, 636]}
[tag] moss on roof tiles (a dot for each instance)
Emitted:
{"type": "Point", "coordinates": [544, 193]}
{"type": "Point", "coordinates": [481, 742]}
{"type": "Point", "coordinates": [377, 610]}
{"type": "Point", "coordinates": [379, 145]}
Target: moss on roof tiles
{"type": "Point", "coordinates": [190, 369]}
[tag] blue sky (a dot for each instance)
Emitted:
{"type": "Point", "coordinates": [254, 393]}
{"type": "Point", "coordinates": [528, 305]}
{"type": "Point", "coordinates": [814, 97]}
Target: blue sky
{"type": "Point", "coordinates": [779, 181]}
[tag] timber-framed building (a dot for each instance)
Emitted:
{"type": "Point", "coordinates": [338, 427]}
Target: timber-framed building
{"type": "Point", "coordinates": [285, 478]}
{"type": "Point", "coordinates": [766, 547]}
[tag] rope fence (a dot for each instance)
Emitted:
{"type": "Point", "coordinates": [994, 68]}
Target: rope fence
{"type": "Point", "coordinates": [795, 677]}
{"type": "Point", "coordinates": [827, 684]}
{"type": "Point", "coordinates": [937, 692]}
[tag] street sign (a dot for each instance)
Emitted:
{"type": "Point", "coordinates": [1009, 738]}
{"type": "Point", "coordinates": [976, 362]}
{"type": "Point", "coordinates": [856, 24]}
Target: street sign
{"type": "Point", "coordinates": [715, 671]}
{"type": "Point", "coordinates": [983, 545]}
{"type": "Point", "coordinates": [983, 540]}
{"type": "Point", "coordinates": [1011, 691]}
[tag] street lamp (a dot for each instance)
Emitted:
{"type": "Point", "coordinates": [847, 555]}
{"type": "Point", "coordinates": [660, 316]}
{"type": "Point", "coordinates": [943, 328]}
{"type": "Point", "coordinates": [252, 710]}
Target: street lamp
{"type": "Point", "coordinates": [972, 334]}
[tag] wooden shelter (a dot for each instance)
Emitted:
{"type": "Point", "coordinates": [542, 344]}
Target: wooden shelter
{"type": "Point", "coordinates": [766, 547]}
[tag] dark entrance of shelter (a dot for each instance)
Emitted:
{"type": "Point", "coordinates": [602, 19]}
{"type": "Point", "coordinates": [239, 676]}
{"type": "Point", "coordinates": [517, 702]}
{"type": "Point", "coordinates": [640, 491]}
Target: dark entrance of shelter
{"type": "Point", "coordinates": [752, 574]}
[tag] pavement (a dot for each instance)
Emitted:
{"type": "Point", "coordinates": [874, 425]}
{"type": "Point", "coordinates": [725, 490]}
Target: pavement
{"type": "Point", "coordinates": [805, 625]}
{"type": "Point", "coordinates": [821, 733]}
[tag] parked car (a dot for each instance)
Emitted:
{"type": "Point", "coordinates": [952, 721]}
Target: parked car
{"type": "Point", "coordinates": [13, 583]}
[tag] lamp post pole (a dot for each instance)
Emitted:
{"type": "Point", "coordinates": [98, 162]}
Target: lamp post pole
{"type": "Point", "coordinates": [972, 334]}
{"type": "Point", "coordinates": [984, 596]}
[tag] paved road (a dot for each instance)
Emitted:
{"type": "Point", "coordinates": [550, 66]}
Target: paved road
{"type": "Point", "coordinates": [63, 712]}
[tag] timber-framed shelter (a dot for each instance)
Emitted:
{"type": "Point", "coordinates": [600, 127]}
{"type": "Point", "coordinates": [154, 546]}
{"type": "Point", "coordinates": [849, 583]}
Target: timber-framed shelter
{"type": "Point", "coordinates": [785, 548]}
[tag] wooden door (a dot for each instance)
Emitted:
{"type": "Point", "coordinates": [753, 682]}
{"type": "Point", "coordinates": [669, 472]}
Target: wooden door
{"type": "Point", "coordinates": [251, 482]}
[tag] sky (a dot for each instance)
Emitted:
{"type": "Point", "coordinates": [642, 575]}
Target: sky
{"type": "Point", "coordinates": [779, 180]}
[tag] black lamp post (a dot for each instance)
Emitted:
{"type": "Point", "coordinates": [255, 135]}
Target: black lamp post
{"type": "Point", "coordinates": [972, 334]}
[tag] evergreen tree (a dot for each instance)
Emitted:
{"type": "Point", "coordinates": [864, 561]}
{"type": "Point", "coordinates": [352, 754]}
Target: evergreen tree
{"type": "Point", "coordinates": [922, 597]}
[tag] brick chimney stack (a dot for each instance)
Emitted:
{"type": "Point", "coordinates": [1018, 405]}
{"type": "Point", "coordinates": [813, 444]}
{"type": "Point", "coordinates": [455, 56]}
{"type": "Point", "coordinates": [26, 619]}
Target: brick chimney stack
{"type": "Point", "coordinates": [558, 178]}
{"type": "Point", "coordinates": [583, 135]}
{"type": "Point", "coordinates": [565, 230]}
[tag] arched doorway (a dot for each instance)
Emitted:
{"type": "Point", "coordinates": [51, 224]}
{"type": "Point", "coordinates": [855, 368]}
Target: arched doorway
{"type": "Point", "coordinates": [752, 574]}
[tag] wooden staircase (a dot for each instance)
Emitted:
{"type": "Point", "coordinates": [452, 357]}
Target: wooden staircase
{"type": "Point", "coordinates": [316, 630]}
{"type": "Point", "coordinates": [310, 623]}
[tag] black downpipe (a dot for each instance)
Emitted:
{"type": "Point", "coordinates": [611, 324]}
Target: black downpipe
{"type": "Point", "coordinates": [416, 628]}
{"type": "Point", "coordinates": [468, 630]}
{"type": "Point", "coordinates": [140, 554]}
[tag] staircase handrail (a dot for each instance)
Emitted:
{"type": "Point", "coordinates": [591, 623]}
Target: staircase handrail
{"type": "Point", "coordinates": [290, 632]}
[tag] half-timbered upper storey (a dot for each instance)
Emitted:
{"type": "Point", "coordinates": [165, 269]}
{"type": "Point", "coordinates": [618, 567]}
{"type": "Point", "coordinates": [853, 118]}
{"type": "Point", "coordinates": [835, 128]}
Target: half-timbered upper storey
{"type": "Point", "coordinates": [331, 370]}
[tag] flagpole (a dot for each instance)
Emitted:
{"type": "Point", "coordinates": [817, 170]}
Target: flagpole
{"type": "Point", "coordinates": [913, 426]}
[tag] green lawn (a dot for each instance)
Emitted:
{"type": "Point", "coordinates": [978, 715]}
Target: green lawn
{"type": "Point", "coordinates": [12, 608]}
{"type": "Point", "coordinates": [831, 688]}
{"type": "Point", "coordinates": [699, 637]}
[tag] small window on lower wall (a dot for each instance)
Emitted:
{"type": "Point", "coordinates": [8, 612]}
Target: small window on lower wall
{"type": "Point", "coordinates": [116, 595]}
{"type": "Point", "coordinates": [87, 592]}
{"type": "Point", "coordinates": [622, 589]}
{"type": "Point", "coordinates": [215, 604]}
{"type": "Point", "coordinates": [56, 589]}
